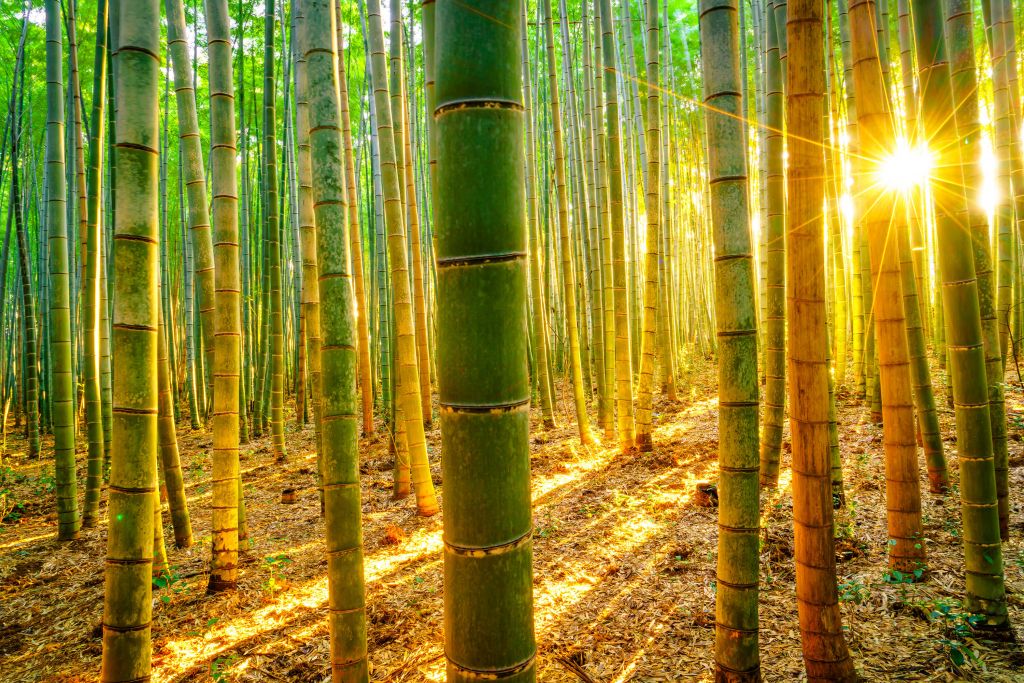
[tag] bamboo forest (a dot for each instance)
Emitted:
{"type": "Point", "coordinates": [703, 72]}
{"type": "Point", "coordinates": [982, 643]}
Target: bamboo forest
{"type": "Point", "coordinates": [511, 340]}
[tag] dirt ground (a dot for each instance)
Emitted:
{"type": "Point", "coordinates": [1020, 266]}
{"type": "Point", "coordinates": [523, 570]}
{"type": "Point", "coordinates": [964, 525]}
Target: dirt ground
{"type": "Point", "coordinates": [624, 567]}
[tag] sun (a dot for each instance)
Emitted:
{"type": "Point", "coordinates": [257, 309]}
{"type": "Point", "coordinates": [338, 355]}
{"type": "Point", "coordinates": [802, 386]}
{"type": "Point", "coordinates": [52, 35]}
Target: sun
{"type": "Point", "coordinates": [908, 166]}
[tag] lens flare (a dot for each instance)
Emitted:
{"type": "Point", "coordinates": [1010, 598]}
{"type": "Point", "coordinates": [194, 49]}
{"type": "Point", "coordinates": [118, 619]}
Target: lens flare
{"type": "Point", "coordinates": [908, 166]}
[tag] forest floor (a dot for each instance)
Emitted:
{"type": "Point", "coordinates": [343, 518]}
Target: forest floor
{"type": "Point", "coordinates": [624, 567]}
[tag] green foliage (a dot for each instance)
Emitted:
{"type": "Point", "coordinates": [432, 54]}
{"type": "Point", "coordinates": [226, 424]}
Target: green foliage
{"type": "Point", "coordinates": [169, 584]}
{"type": "Point", "coordinates": [220, 668]}
{"type": "Point", "coordinates": [275, 564]}
{"type": "Point", "coordinates": [44, 484]}
{"type": "Point", "coordinates": [11, 509]}
{"type": "Point", "coordinates": [957, 641]}
{"type": "Point", "coordinates": [854, 591]}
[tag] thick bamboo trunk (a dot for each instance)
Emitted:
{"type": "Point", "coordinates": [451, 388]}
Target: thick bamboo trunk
{"type": "Point", "coordinates": [877, 142]}
{"type": "Point", "coordinates": [736, 642]}
{"type": "Point", "coordinates": [411, 412]}
{"type": "Point", "coordinates": [482, 290]}
{"type": "Point", "coordinates": [775, 267]}
{"type": "Point", "coordinates": [986, 592]}
{"type": "Point", "coordinates": [229, 531]}
{"type": "Point", "coordinates": [342, 512]}
{"type": "Point", "coordinates": [127, 609]}
{"type": "Point", "coordinates": [60, 296]}
{"type": "Point", "coordinates": [960, 40]}
{"type": "Point", "coordinates": [826, 657]}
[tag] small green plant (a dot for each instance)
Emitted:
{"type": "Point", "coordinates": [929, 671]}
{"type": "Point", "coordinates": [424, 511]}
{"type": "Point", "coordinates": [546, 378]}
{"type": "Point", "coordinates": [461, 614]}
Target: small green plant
{"type": "Point", "coordinates": [276, 565]}
{"type": "Point", "coordinates": [951, 527]}
{"type": "Point", "coordinates": [957, 642]}
{"type": "Point", "coordinates": [548, 528]}
{"type": "Point", "coordinates": [845, 529]}
{"type": "Point", "coordinates": [170, 584]}
{"type": "Point", "coordinates": [45, 483]}
{"type": "Point", "coordinates": [895, 577]}
{"type": "Point", "coordinates": [220, 667]}
{"type": "Point", "coordinates": [853, 591]}
{"type": "Point", "coordinates": [11, 509]}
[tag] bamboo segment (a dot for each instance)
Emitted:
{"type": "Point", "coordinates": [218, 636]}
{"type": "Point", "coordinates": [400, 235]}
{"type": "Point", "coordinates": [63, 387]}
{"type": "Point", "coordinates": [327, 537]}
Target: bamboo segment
{"type": "Point", "coordinates": [346, 593]}
{"type": "Point", "coordinates": [127, 607]}
{"type": "Point", "coordinates": [736, 641]}
{"type": "Point", "coordinates": [482, 296]}
{"type": "Point", "coordinates": [60, 297]}
{"type": "Point", "coordinates": [649, 324]}
{"type": "Point", "coordinates": [623, 364]}
{"type": "Point", "coordinates": [826, 657]}
{"type": "Point", "coordinates": [228, 532]}
{"type": "Point", "coordinates": [568, 276]}
{"type": "Point", "coordinates": [775, 266]}
{"type": "Point", "coordinates": [408, 385]}
{"type": "Point", "coordinates": [986, 592]}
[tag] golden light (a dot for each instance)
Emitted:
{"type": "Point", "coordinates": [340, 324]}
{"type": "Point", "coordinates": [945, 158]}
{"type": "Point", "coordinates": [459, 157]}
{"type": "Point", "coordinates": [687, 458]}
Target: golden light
{"type": "Point", "coordinates": [989, 194]}
{"type": "Point", "coordinates": [906, 167]}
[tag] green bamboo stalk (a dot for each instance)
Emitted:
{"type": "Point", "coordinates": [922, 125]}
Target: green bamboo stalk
{"type": "Point", "coordinates": [985, 589]}
{"type": "Point", "coordinates": [228, 526]}
{"type": "Point", "coordinates": [568, 276]}
{"type": "Point", "coordinates": [623, 365]}
{"type": "Point", "coordinates": [736, 641]}
{"type": "Point", "coordinates": [538, 301]}
{"type": "Point", "coordinates": [127, 610]}
{"type": "Point", "coordinates": [189, 146]}
{"type": "Point", "coordinates": [1003, 134]}
{"type": "Point", "coordinates": [604, 226]}
{"type": "Point", "coordinates": [307, 231]}
{"type": "Point", "coordinates": [408, 385]}
{"type": "Point", "coordinates": [60, 298]}
{"type": "Point", "coordinates": [605, 400]}
{"type": "Point", "coordinates": [912, 264]}
{"type": "Point", "coordinates": [775, 267]}
{"type": "Point", "coordinates": [272, 238]}
{"type": "Point", "coordinates": [960, 41]}
{"type": "Point", "coordinates": [346, 593]}
{"type": "Point", "coordinates": [170, 460]}
{"type": "Point", "coordinates": [649, 324]}
{"type": "Point", "coordinates": [482, 281]}
{"type": "Point", "coordinates": [90, 295]}
{"type": "Point", "coordinates": [30, 344]}
{"type": "Point", "coordinates": [406, 162]}
{"type": "Point", "coordinates": [356, 245]}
